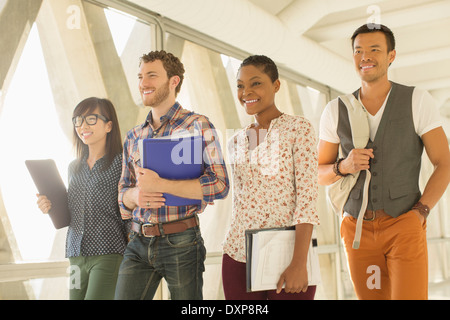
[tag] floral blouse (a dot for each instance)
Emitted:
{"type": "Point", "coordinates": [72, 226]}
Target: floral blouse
{"type": "Point", "coordinates": [275, 184]}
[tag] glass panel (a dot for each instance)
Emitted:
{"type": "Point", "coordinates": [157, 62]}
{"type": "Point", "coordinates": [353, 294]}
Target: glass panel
{"type": "Point", "coordinates": [35, 119]}
{"type": "Point", "coordinates": [132, 38]}
{"type": "Point", "coordinates": [50, 288]}
{"type": "Point", "coordinates": [30, 129]}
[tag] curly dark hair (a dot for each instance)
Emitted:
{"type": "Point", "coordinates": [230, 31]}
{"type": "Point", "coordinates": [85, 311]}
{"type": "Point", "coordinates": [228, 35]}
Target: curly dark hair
{"type": "Point", "coordinates": [171, 64]}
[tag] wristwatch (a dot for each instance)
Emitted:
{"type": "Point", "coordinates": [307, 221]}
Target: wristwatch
{"type": "Point", "coordinates": [423, 209]}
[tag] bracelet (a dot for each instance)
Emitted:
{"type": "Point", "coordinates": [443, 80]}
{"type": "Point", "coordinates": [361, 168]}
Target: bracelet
{"type": "Point", "coordinates": [422, 208]}
{"type": "Point", "coordinates": [336, 168]}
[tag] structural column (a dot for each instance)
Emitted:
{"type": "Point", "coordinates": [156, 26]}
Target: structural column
{"type": "Point", "coordinates": [16, 19]}
{"type": "Point", "coordinates": [70, 57]}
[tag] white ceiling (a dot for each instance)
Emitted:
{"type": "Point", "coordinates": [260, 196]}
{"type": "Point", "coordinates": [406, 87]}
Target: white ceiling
{"type": "Point", "coordinates": [312, 37]}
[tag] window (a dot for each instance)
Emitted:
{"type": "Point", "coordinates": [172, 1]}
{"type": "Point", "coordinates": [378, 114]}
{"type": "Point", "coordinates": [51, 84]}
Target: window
{"type": "Point", "coordinates": [69, 54]}
{"type": "Point", "coordinates": [63, 54]}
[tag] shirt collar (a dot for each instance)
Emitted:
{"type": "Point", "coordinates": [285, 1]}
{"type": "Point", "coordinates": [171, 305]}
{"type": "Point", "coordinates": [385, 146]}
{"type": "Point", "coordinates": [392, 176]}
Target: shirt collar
{"type": "Point", "coordinates": [169, 116]}
{"type": "Point", "coordinates": [99, 162]}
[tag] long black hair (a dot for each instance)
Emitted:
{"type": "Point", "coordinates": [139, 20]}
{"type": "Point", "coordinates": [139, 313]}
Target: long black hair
{"type": "Point", "coordinates": [113, 138]}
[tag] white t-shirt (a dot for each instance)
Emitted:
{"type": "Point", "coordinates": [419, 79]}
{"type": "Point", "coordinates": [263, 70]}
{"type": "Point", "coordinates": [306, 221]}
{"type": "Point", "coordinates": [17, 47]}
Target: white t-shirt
{"type": "Point", "coordinates": [426, 117]}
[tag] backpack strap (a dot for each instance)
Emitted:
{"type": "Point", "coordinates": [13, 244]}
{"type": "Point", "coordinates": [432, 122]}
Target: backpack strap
{"type": "Point", "coordinates": [359, 124]}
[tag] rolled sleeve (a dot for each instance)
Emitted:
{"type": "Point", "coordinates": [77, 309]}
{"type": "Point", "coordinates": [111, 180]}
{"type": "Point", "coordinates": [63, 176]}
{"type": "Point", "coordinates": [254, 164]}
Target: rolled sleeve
{"type": "Point", "coordinates": [126, 181]}
{"type": "Point", "coordinates": [306, 171]}
{"type": "Point", "coordinates": [124, 211]}
{"type": "Point", "coordinates": [214, 181]}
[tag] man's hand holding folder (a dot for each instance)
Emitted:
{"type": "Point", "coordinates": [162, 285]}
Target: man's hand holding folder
{"type": "Point", "coordinates": [148, 200]}
{"type": "Point", "coordinates": [148, 180]}
{"type": "Point", "coordinates": [152, 185]}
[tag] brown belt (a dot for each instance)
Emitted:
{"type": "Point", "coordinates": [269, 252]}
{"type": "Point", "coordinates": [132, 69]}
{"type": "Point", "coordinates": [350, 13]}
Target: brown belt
{"type": "Point", "coordinates": [161, 229]}
{"type": "Point", "coordinates": [371, 215]}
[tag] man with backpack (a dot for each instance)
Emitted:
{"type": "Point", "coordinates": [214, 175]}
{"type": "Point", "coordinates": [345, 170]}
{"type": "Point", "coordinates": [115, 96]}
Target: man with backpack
{"type": "Point", "coordinates": [390, 260]}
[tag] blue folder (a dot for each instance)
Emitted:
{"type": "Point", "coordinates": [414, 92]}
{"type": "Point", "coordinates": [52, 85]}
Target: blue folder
{"type": "Point", "coordinates": [174, 159]}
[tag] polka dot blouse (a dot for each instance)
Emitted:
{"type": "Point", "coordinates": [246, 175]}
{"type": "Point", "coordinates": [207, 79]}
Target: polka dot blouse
{"type": "Point", "coordinates": [96, 226]}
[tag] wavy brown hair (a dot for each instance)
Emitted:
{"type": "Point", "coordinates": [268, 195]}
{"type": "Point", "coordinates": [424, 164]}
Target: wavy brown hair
{"type": "Point", "coordinates": [171, 64]}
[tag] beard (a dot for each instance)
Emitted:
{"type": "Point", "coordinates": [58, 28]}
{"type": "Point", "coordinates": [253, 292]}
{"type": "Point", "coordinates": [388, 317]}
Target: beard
{"type": "Point", "coordinates": [159, 96]}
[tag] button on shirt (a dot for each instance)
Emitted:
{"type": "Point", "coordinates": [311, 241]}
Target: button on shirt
{"type": "Point", "coordinates": [96, 227]}
{"type": "Point", "coordinates": [213, 181]}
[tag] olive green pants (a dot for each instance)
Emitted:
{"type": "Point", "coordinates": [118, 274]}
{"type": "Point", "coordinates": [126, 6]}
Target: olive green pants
{"type": "Point", "coordinates": [94, 277]}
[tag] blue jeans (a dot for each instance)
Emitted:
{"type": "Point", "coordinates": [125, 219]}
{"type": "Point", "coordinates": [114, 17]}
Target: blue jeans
{"type": "Point", "coordinates": [178, 258]}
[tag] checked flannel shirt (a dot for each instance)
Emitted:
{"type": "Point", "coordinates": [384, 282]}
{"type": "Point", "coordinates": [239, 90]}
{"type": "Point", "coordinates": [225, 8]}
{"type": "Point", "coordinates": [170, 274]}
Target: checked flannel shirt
{"type": "Point", "coordinates": [214, 181]}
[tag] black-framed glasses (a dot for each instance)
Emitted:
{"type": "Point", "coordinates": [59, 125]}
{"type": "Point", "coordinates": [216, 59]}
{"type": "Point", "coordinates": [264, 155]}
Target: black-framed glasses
{"type": "Point", "coordinates": [90, 119]}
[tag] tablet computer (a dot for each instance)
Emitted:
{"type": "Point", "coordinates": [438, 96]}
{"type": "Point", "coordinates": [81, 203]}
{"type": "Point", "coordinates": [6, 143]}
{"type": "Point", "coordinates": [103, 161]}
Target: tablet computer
{"type": "Point", "coordinates": [48, 181]}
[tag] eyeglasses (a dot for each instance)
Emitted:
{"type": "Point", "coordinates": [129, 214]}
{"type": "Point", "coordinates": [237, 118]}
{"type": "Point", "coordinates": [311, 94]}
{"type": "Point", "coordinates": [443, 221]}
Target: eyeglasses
{"type": "Point", "coordinates": [91, 119]}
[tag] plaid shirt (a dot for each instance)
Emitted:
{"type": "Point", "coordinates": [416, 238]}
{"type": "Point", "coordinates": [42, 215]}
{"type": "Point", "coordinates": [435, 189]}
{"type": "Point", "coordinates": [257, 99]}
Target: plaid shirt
{"type": "Point", "coordinates": [214, 181]}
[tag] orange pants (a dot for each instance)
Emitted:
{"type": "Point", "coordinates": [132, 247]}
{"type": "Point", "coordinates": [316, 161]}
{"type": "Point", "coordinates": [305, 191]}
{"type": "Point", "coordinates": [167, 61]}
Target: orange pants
{"type": "Point", "coordinates": [392, 260]}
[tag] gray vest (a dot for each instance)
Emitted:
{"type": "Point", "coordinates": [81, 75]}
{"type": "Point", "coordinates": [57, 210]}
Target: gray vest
{"type": "Point", "coordinates": [398, 149]}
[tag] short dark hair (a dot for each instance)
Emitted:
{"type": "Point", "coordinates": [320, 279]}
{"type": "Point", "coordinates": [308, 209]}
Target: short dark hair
{"type": "Point", "coordinates": [268, 66]}
{"type": "Point", "coordinates": [171, 64]}
{"type": "Point", "coordinates": [368, 28]}
{"type": "Point", "coordinates": [113, 138]}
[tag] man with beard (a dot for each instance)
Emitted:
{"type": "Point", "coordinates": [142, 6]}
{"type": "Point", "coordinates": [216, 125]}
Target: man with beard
{"type": "Point", "coordinates": [165, 241]}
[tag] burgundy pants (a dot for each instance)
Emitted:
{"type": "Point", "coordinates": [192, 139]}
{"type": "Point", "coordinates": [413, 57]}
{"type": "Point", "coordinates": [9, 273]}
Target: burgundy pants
{"type": "Point", "coordinates": [234, 285]}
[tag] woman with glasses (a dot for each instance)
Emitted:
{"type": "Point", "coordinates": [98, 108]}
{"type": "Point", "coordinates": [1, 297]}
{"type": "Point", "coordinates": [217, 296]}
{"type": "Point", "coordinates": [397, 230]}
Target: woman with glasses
{"type": "Point", "coordinates": [97, 235]}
